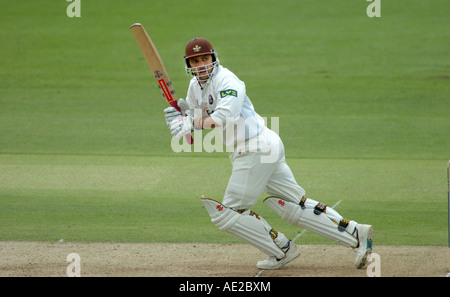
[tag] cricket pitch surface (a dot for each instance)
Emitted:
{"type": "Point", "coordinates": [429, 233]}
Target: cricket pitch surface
{"type": "Point", "coordinates": [50, 259]}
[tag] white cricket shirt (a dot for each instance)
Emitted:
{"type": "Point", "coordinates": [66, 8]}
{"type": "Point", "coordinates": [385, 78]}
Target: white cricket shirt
{"type": "Point", "coordinates": [224, 98]}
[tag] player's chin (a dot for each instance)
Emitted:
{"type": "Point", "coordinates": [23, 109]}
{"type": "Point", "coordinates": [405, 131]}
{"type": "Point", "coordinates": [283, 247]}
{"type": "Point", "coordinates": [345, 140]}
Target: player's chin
{"type": "Point", "coordinates": [203, 77]}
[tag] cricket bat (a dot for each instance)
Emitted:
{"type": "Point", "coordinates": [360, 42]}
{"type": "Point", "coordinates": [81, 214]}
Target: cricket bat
{"type": "Point", "coordinates": [156, 64]}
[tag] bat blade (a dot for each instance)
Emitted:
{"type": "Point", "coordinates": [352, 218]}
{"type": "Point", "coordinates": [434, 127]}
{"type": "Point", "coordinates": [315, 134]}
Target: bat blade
{"type": "Point", "coordinates": [156, 64]}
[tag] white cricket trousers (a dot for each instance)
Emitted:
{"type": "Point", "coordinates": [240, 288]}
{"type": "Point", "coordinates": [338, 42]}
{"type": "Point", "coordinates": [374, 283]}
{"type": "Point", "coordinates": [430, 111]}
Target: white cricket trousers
{"type": "Point", "coordinates": [263, 170]}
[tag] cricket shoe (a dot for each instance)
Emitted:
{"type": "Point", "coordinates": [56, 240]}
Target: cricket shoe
{"type": "Point", "coordinates": [274, 263]}
{"type": "Point", "coordinates": [364, 249]}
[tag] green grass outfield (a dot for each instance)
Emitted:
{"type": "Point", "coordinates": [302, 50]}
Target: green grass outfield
{"type": "Point", "coordinates": [363, 105]}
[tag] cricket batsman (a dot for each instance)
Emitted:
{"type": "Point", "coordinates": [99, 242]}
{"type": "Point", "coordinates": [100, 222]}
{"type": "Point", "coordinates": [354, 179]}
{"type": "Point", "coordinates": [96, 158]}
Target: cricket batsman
{"type": "Point", "coordinates": [217, 99]}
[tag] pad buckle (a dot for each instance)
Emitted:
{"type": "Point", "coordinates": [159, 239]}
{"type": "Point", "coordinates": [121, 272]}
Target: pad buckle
{"type": "Point", "coordinates": [319, 208]}
{"type": "Point", "coordinates": [302, 202]}
{"type": "Point", "coordinates": [273, 234]}
{"type": "Point", "coordinates": [343, 225]}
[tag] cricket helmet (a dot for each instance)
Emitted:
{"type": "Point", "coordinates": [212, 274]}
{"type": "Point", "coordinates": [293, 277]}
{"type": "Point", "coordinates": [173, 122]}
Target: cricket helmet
{"type": "Point", "coordinates": [198, 47]}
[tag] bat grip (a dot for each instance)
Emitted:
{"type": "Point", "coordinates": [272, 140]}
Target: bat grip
{"type": "Point", "coordinates": [175, 104]}
{"type": "Point", "coordinates": [189, 138]}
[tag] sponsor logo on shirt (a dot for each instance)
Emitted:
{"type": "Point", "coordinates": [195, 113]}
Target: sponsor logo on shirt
{"type": "Point", "coordinates": [228, 92]}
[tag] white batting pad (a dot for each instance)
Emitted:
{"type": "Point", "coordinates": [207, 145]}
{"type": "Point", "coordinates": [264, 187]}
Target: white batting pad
{"type": "Point", "coordinates": [306, 218]}
{"type": "Point", "coordinates": [247, 226]}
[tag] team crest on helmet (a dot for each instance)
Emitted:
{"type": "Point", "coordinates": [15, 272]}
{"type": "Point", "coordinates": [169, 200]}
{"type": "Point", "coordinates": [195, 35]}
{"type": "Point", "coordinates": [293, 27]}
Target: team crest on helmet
{"type": "Point", "coordinates": [197, 48]}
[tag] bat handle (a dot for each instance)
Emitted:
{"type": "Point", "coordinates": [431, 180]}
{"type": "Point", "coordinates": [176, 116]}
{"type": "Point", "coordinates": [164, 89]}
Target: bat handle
{"type": "Point", "coordinates": [189, 138]}
{"type": "Point", "coordinates": [174, 103]}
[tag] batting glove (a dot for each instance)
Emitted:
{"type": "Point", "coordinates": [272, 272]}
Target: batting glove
{"type": "Point", "coordinates": [171, 114]}
{"type": "Point", "coordinates": [182, 126]}
{"type": "Point", "coordinates": [183, 105]}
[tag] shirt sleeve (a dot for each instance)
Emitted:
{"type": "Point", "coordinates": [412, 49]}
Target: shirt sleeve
{"type": "Point", "coordinates": [231, 94]}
